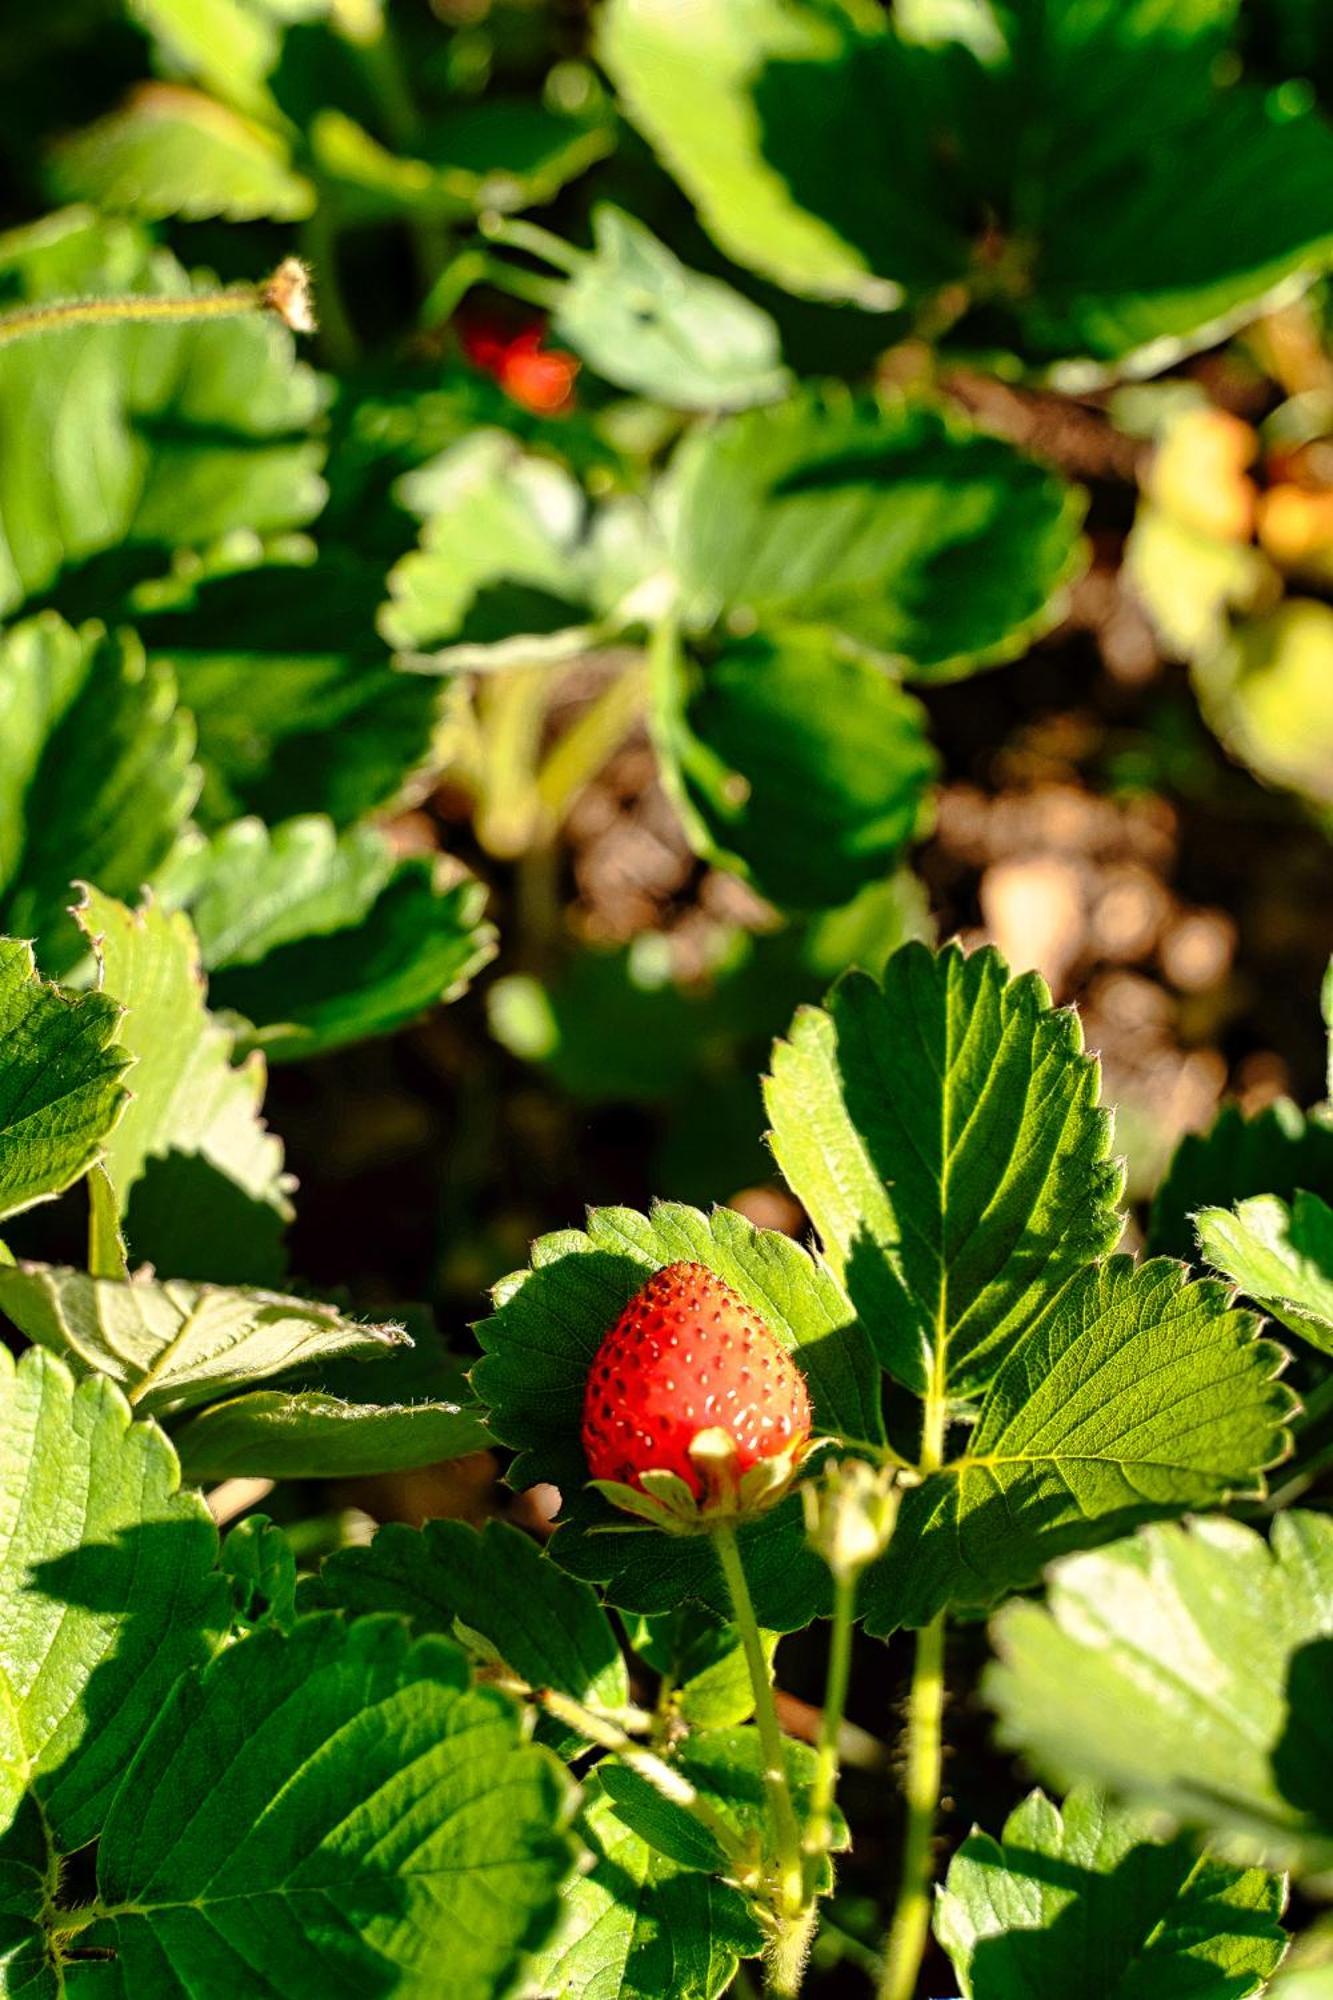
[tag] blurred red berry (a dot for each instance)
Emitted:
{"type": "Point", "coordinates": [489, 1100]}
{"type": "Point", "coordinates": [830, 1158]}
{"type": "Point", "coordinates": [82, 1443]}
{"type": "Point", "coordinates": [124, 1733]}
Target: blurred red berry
{"type": "Point", "coordinates": [539, 378]}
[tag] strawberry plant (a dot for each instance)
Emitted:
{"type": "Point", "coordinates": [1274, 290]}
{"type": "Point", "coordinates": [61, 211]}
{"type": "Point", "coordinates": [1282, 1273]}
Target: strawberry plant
{"type": "Point", "coordinates": [334, 1772]}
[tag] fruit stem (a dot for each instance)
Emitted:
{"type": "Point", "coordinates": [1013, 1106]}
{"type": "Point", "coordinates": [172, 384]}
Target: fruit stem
{"type": "Point", "coordinates": [784, 1964]}
{"type": "Point", "coordinates": [911, 1917]}
{"type": "Point", "coordinates": [787, 1835]}
{"type": "Point", "coordinates": [819, 1825]}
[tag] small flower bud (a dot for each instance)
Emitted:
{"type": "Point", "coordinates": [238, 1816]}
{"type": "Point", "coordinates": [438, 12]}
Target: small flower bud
{"type": "Point", "coordinates": [850, 1511]}
{"type": "Point", "coordinates": [288, 293]}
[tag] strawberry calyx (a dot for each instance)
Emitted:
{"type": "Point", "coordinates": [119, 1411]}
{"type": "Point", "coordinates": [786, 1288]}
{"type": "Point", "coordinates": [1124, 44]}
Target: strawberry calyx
{"type": "Point", "coordinates": [663, 1500]}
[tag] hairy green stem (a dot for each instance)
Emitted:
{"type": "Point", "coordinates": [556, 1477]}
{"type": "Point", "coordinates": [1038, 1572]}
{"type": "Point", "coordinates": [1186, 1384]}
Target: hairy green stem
{"type": "Point", "coordinates": [819, 1826]}
{"type": "Point", "coordinates": [786, 1833]}
{"type": "Point", "coordinates": [785, 1959]}
{"type": "Point", "coordinates": [136, 308]}
{"type": "Point", "coordinates": [906, 1942]}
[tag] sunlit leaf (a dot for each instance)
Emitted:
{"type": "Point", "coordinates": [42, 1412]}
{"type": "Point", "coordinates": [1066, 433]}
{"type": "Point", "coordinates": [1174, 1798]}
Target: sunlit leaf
{"type": "Point", "coordinates": [1088, 184]}
{"type": "Point", "coordinates": [336, 1806]}
{"type": "Point", "coordinates": [173, 151]}
{"type": "Point", "coordinates": [61, 1081]}
{"type": "Point", "coordinates": [796, 760]}
{"type": "Point", "coordinates": [637, 1925]}
{"type": "Point", "coordinates": [931, 545]}
{"type": "Point", "coordinates": [322, 939]}
{"type": "Point", "coordinates": [171, 1345]}
{"type": "Point", "coordinates": [1136, 1395]}
{"type": "Point", "coordinates": [1187, 1669]}
{"type": "Point", "coordinates": [140, 438]}
{"type": "Point", "coordinates": [944, 1134]}
{"type": "Point", "coordinates": [646, 322]}
{"type": "Point", "coordinates": [192, 1153]}
{"type": "Point", "coordinates": [96, 780]}
{"type": "Point", "coordinates": [1092, 1898]}
{"type": "Point", "coordinates": [96, 1539]}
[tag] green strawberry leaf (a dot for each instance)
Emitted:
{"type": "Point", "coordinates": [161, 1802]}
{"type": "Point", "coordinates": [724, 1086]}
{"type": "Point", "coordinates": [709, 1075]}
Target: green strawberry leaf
{"type": "Point", "coordinates": [943, 1132]}
{"type": "Point", "coordinates": [96, 1539]}
{"type": "Point", "coordinates": [1278, 1152]}
{"type": "Point", "coordinates": [645, 1572]}
{"type": "Point", "coordinates": [637, 1925]}
{"type": "Point", "coordinates": [705, 1679]}
{"type": "Point", "coordinates": [539, 1343]}
{"type": "Point", "coordinates": [1136, 1395]}
{"type": "Point", "coordinates": [323, 939]}
{"type": "Point", "coordinates": [257, 1557]}
{"type": "Point", "coordinates": [1082, 183]}
{"type": "Point", "coordinates": [646, 322]}
{"type": "Point", "coordinates": [61, 1088]}
{"type": "Point", "coordinates": [726, 1767]}
{"type": "Point", "coordinates": [171, 1345]}
{"type": "Point", "coordinates": [309, 1434]}
{"type": "Point", "coordinates": [545, 1625]}
{"type": "Point", "coordinates": [97, 780]}
{"type": "Point", "coordinates": [170, 150]}
{"type": "Point", "coordinates": [1187, 1669]}
{"type": "Point", "coordinates": [775, 120]}
{"type": "Point", "coordinates": [141, 438]}
{"type": "Point", "coordinates": [1279, 1256]}
{"type": "Point", "coordinates": [794, 759]}
{"type": "Point", "coordinates": [511, 567]}
{"type": "Point", "coordinates": [935, 548]}
{"type": "Point", "coordinates": [226, 45]}
{"type": "Point", "coordinates": [1091, 1898]}
{"type": "Point", "coordinates": [194, 1121]}
{"type": "Point", "coordinates": [297, 708]}
{"type": "Point", "coordinates": [334, 1806]}
{"type": "Point", "coordinates": [492, 156]}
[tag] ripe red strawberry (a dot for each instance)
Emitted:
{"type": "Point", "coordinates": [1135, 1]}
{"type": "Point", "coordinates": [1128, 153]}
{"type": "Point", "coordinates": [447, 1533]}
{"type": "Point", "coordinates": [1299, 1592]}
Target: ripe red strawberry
{"type": "Point", "coordinates": [541, 378]}
{"type": "Point", "coordinates": [688, 1355]}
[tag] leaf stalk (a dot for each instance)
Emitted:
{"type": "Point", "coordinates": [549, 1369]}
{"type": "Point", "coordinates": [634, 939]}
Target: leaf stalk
{"type": "Point", "coordinates": [906, 1943]}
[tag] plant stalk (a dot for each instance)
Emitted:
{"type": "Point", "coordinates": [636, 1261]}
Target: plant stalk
{"type": "Point", "coordinates": [590, 742]}
{"type": "Point", "coordinates": [516, 234]}
{"type": "Point", "coordinates": [906, 1943]}
{"type": "Point", "coordinates": [139, 308]}
{"type": "Point", "coordinates": [786, 1832]}
{"type": "Point", "coordinates": [785, 1959]}
{"type": "Point", "coordinates": [819, 1826]}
